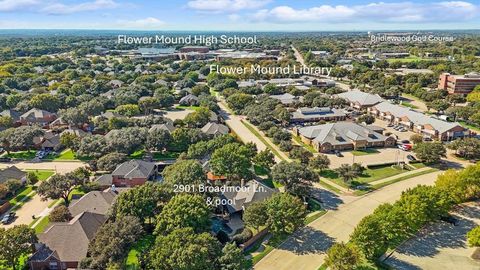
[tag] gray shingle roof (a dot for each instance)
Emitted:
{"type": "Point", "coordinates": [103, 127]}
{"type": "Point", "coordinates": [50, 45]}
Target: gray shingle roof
{"type": "Point", "coordinates": [11, 173]}
{"type": "Point", "coordinates": [135, 169]}
{"type": "Point", "coordinates": [215, 129]}
{"type": "Point", "coordinates": [253, 191]}
{"type": "Point", "coordinates": [340, 133]}
{"type": "Point", "coordinates": [362, 98]}
{"type": "Point", "coordinates": [417, 118]}
{"type": "Point", "coordinates": [95, 202]}
{"type": "Point", "coordinates": [69, 240]}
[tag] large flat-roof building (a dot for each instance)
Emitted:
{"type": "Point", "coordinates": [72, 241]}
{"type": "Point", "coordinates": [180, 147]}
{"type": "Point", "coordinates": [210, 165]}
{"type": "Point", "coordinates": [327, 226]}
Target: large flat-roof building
{"type": "Point", "coordinates": [316, 114]}
{"type": "Point", "coordinates": [458, 84]}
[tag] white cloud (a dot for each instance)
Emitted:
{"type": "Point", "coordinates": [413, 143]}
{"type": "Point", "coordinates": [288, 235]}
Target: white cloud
{"type": "Point", "coordinates": [226, 5]}
{"type": "Point", "coordinates": [60, 9]}
{"type": "Point", "coordinates": [12, 5]}
{"type": "Point", "coordinates": [146, 23]}
{"type": "Point", "coordinates": [406, 12]}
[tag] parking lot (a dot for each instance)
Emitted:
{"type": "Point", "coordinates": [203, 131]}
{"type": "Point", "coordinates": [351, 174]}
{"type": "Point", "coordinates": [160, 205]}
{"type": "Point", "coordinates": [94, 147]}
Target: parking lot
{"type": "Point", "coordinates": [441, 245]}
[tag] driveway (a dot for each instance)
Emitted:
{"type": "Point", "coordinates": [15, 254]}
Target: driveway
{"type": "Point", "coordinates": [35, 206]}
{"type": "Point", "coordinates": [440, 245]}
{"type": "Point", "coordinates": [305, 250]}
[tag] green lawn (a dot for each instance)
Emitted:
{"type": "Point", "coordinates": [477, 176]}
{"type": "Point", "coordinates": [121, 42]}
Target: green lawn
{"type": "Point", "coordinates": [411, 58]}
{"type": "Point", "coordinates": [42, 225]}
{"type": "Point", "coordinates": [194, 108]}
{"type": "Point", "coordinates": [364, 152]}
{"type": "Point", "coordinates": [66, 154]}
{"type": "Point", "coordinates": [313, 216]}
{"type": "Point", "coordinates": [42, 174]}
{"type": "Point", "coordinates": [132, 262]}
{"type": "Point", "coordinates": [21, 194]}
{"type": "Point", "coordinates": [400, 178]}
{"type": "Point", "coordinates": [22, 154]}
{"type": "Point", "coordinates": [156, 155]}
{"type": "Point", "coordinates": [466, 125]}
{"type": "Point", "coordinates": [369, 175]}
{"type": "Point", "coordinates": [259, 170]}
{"type": "Point", "coordinates": [409, 105]}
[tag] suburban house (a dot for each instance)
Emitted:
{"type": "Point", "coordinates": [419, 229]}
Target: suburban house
{"type": "Point", "coordinates": [12, 172]}
{"type": "Point", "coordinates": [316, 114]}
{"type": "Point", "coordinates": [253, 191]}
{"type": "Point", "coordinates": [215, 129]}
{"type": "Point", "coordinates": [37, 117]}
{"type": "Point", "coordinates": [58, 123]}
{"type": "Point", "coordinates": [15, 115]}
{"type": "Point", "coordinates": [75, 131]}
{"type": "Point", "coordinates": [288, 99]}
{"type": "Point", "coordinates": [63, 245]}
{"type": "Point", "coordinates": [97, 202]}
{"type": "Point", "coordinates": [360, 100]}
{"type": "Point", "coordinates": [129, 174]}
{"type": "Point", "coordinates": [189, 100]}
{"type": "Point", "coordinates": [167, 126]}
{"type": "Point", "coordinates": [419, 122]}
{"type": "Point", "coordinates": [48, 141]}
{"type": "Point", "coordinates": [342, 136]}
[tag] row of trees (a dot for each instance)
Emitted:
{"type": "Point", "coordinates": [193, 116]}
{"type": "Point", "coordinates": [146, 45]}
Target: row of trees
{"type": "Point", "coordinates": [392, 224]}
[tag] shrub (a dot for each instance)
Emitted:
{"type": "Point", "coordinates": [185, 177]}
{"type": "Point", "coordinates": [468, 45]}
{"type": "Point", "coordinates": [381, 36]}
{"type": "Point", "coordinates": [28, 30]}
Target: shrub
{"type": "Point", "coordinates": [473, 237]}
{"type": "Point", "coordinates": [60, 214]}
{"type": "Point", "coordinates": [242, 237]}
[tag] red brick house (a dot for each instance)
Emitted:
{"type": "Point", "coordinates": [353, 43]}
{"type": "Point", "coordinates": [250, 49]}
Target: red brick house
{"type": "Point", "coordinates": [129, 174]}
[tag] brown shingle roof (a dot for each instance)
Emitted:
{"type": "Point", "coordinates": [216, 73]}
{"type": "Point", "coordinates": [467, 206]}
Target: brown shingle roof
{"type": "Point", "coordinates": [70, 240]}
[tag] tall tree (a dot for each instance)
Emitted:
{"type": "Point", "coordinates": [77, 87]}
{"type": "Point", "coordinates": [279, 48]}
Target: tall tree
{"type": "Point", "coordinates": [232, 258]}
{"type": "Point", "coordinates": [184, 210]}
{"type": "Point", "coordinates": [233, 161]}
{"type": "Point", "coordinates": [430, 152]}
{"type": "Point", "coordinates": [113, 240]}
{"type": "Point", "coordinates": [342, 256]}
{"type": "Point", "coordinates": [286, 213]}
{"type": "Point", "coordinates": [183, 249]}
{"type": "Point", "coordinates": [58, 186]}
{"type": "Point", "coordinates": [184, 172]}
{"type": "Point", "coordinates": [143, 202]}
{"type": "Point", "coordinates": [297, 178]}
{"type": "Point", "coordinates": [15, 243]}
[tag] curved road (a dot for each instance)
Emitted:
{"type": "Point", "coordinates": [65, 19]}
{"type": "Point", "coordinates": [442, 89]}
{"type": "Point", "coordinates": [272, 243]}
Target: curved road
{"type": "Point", "coordinates": [305, 250]}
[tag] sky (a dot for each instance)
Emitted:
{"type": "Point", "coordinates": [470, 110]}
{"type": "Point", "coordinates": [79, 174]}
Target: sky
{"type": "Point", "coordinates": [240, 15]}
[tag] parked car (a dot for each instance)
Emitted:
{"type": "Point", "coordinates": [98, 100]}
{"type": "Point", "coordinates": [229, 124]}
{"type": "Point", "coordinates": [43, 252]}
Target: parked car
{"type": "Point", "coordinates": [411, 158]}
{"type": "Point", "coordinates": [405, 141]}
{"type": "Point", "coordinates": [8, 218]}
{"type": "Point", "coordinates": [405, 147]}
{"type": "Point", "coordinates": [338, 153]}
{"type": "Point", "coordinates": [5, 159]}
{"type": "Point", "coordinates": [449, 219]}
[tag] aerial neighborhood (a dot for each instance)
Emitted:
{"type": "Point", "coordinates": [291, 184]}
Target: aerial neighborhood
{"type": "Point", "coordinates": [117, 155]}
